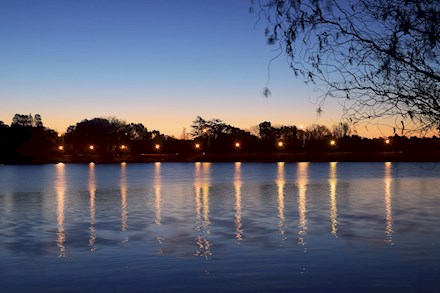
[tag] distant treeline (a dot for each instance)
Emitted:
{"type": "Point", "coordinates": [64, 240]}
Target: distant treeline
{"type": "Point", "coordinates": [26, 141]}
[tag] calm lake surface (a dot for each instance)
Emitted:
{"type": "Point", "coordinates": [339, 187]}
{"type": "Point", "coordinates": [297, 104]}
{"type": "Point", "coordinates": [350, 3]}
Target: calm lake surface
{"type": "Point", "coordinates": [220, 227]}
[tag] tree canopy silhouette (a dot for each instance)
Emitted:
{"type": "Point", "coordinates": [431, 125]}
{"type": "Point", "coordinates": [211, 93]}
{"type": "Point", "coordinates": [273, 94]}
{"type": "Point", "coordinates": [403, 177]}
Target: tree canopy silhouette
{"type": "Point", "coordinates": [109, 140]}
{"type": "Point", "coordinates": [27, 120]}
{"type": "Point", "coordinates": [26, 140]}
{"type": "Point", "coordinates": [381, 57]}
{"type": "Point", "coordinates": [217, 136]}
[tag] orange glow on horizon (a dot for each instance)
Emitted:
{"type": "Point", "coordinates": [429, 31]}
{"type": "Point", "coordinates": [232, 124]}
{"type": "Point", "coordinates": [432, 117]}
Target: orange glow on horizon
{"type": "Point", "coordinates": [173, 126]}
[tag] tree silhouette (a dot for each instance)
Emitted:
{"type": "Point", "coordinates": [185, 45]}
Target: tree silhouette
{"type": "Point", "coordinates": [27, 141]}
{"type": "Point", "coordinates": [381, 57]}
{"type": "Point", "coordinates": [103, 135]}
{"type": "Point", "coordinates": [38, 121]}
{"type": "Point", "coordinates": [219, 137]}
{"type": "Point", "coordinates": [341, 130]}
{"type": "Point", "coordinates": [22, 120]}
{"type": "Point", "coordinates": [110, 138]}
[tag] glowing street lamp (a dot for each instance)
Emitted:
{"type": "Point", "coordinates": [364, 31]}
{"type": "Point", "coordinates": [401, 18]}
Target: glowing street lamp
{"type": "Point", "coordinates": [197, 145]}
{"type": "Point", "coordinates": [332, 142]}
{"type": "Point", "coordinates": [280, 144]}
{"type": "Point", "coordinates": [387, 141]}
{"type": "Point", "coordinates": [237, 145]}
{"type": "Point", "coordinates": [157, 147]}
{"type": "Point", "coordinates": [123, 147]}
{"type": "Point", "coordinates": [60, 148]}
{"type": "Point", "coordinates": [91, 147]}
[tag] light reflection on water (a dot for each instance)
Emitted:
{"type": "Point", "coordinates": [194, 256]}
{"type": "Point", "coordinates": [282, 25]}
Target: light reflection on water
{"type": "Point", "coordinates": [60, 187]}
{"type": "Point", "coordinates": [333, 181]}
{"type": "Point", "coordinates": [157, 195]}
{"type": "Point", "coordinates": [157, 203]}
{"type": "Point", "coordinates": [361, 224]}
{"type": "Point", "coordinates": [280, 184]}
{"type": "Point", "coordinates": [388, 208]}
{"type": "Point", "coordinates": [92, 194]}
{"type": "Point", "coordinates": [201, 186]}
{"type": "Point", "coordinates": [124, 214]}
{"type": "Point", "coordinates": [302, 202]}
{"type": "Point", "coordinates": [237, 188]}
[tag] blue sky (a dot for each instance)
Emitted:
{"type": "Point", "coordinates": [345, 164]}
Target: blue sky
{"type": "Point", "coordinates": [160, 63]}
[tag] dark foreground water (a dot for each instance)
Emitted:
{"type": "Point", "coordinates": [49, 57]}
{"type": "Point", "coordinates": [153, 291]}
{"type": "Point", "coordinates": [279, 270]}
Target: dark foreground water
{"type": "Point", "coordinates": [220, 227]}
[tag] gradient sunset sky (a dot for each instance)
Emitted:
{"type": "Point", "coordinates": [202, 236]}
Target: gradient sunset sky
{"type": "Point", "coordinates": [160, 63]}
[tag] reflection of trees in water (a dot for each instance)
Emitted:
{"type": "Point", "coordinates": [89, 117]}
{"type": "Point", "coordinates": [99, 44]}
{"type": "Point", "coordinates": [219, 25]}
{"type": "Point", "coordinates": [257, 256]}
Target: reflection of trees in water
{"type": "Point", "coordinates": [333, 181]}
{"type": "Point", "coordinates": [388, 207]}
{"type": "Point", "coordinates": [201, 186]}
{"type": "Point", "coordinates": [302, 201]}
{"type": "Point", "coordinates": [60, 188]}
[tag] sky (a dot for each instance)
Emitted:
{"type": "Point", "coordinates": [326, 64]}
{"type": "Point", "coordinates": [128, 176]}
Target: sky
{"type": "Point", "coordinates": [159, 63]}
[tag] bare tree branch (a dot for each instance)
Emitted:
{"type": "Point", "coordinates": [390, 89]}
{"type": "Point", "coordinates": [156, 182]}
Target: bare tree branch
{"type": "Point", "coordinates": [381, 57]}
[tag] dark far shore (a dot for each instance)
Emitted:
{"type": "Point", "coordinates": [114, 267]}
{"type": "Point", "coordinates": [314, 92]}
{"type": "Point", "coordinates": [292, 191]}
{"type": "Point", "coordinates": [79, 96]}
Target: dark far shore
{"type": "Point", "coordinates": [109, 140]}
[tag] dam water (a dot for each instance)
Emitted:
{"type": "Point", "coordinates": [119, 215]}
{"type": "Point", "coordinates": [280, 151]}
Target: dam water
{"type": "Point", "coordinates": [220, 227]}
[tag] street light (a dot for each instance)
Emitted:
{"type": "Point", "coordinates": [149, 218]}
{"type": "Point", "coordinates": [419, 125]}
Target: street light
{"type": "Point", "coordinates": [332, 142]}
{"type": "Point", "coordinates": [91, 147]}
{"type": "Point", "coordinates": [60, 148]}
{"type": "Point", "coordinates": [123, 147]}
{"type": "Point", "coordinates": [387, 141]}
{"type": "Point", "coordinates": [280, 144]}
{"type": "Point", "coordinates": [197, 146]}
{"type": "Point", "coordinates": [157, 146]}
{"type": "Point", "coordinates": [237, 145]}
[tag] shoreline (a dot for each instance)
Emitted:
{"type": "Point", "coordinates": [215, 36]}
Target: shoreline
{"type": "Point", "coordinates": [258, 157]}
